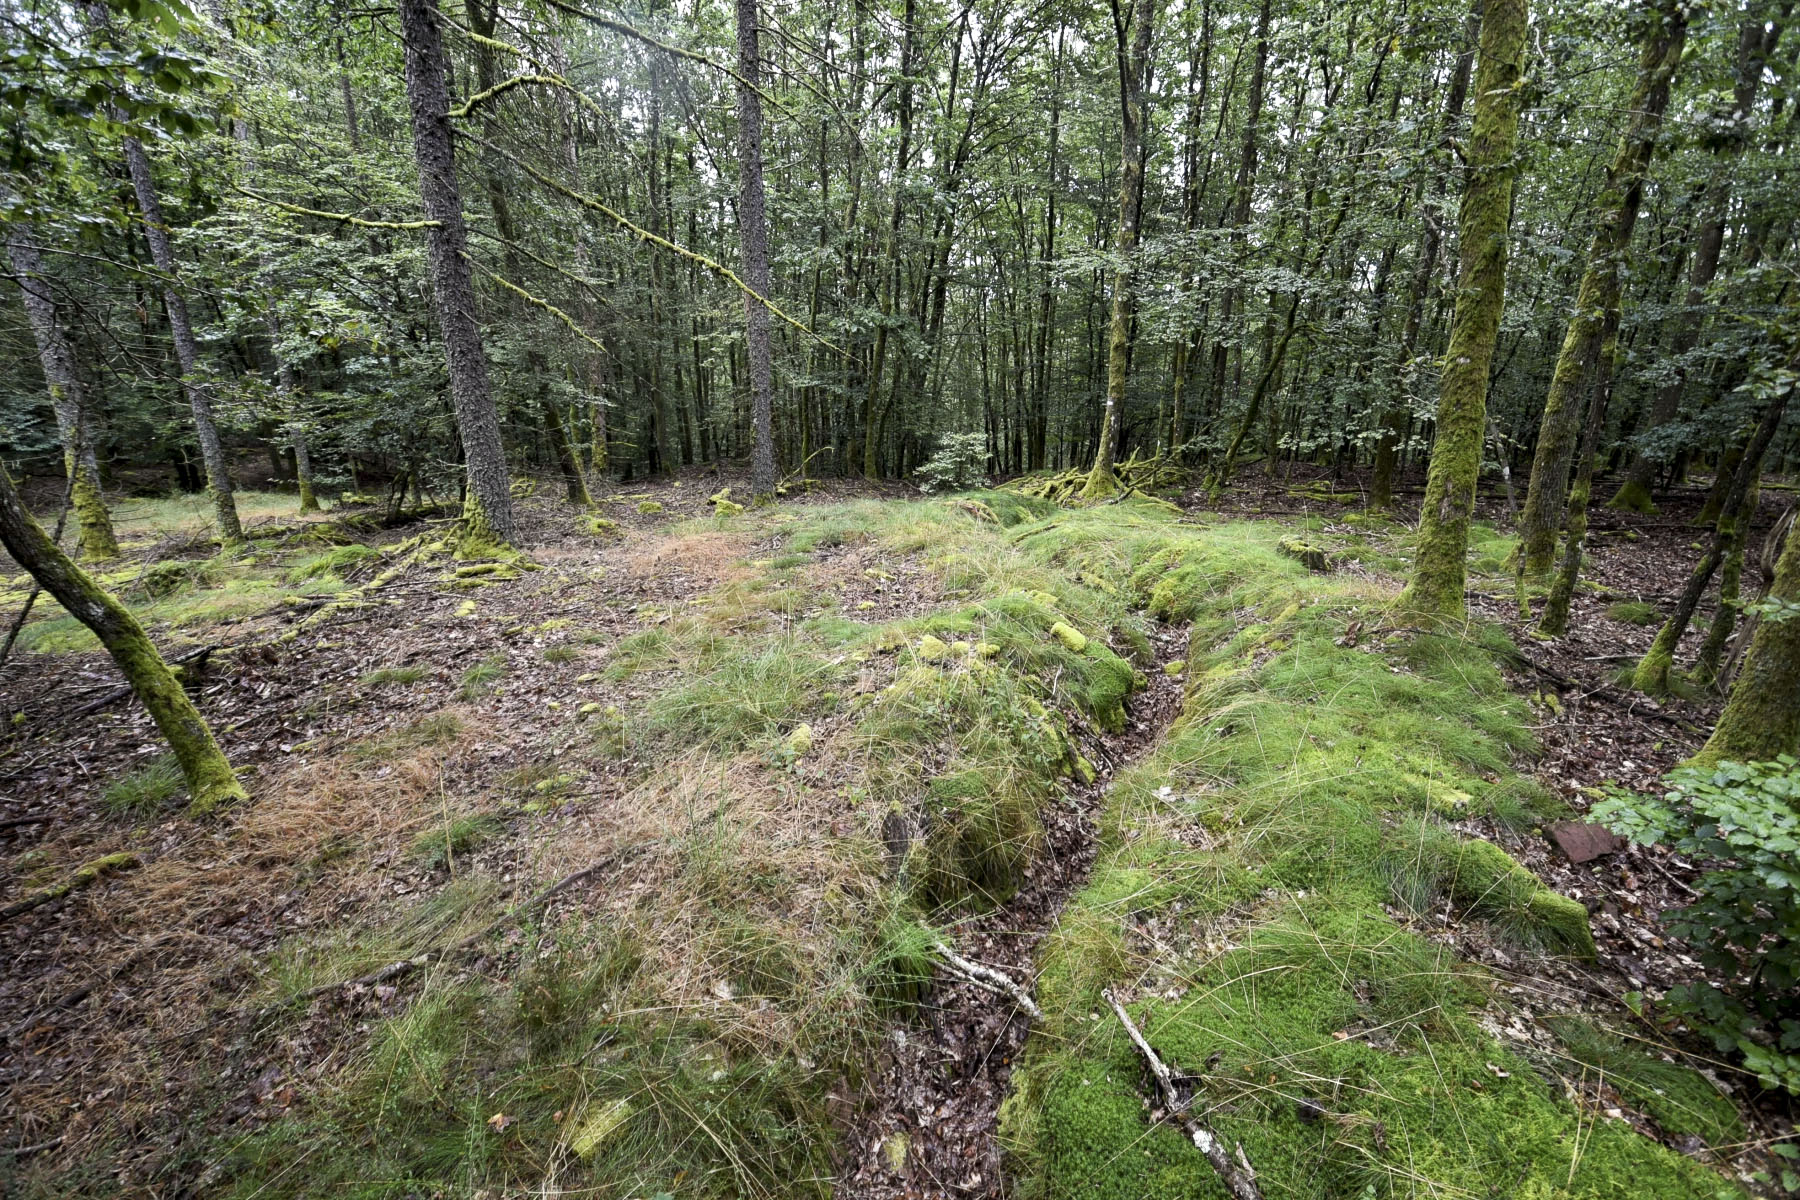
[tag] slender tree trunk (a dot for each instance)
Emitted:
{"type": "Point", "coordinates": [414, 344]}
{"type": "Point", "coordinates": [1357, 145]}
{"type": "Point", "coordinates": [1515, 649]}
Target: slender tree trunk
{"type": "Point", "coordinates": [187, 350]}
{"type": "Point", "coordinates": [487, 505]}
{"type": "Point", "coordinates": [1652, 674]}
{"type": "Point", "coordinates": [209, 776]}
{"type": "Point", "coordinates": [1656, 74]}
{"type": "Point", "coordinates": [1134, 69]}
{"type": "Point", "coordinates": [1762, 718]}
{"type": "Point", "coordinates": [1601, 286]}
{"type": "Point", "coordinates": [1756, 42]}
{"type": "Point", "coordinates": [67, 399]}
{"type": "Point", "coordinates": [1440, 566]}
{"type": "Point", "coordinates": [753, 230]}
{"type": "Point", "coordinates": [1387, 457]}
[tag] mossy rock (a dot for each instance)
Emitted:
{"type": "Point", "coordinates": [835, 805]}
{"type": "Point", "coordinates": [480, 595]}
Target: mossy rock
{"type": "Point", "coordinates": [601, 527]}
{"type": "Point", "coordinates": [650, 508]}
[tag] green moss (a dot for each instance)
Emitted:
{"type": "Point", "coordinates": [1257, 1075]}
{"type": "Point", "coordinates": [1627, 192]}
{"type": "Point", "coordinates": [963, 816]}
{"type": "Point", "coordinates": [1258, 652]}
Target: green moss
{"type": "Point", "coordinates": [1679, 1099]}
{"type": "Point", "coordinates": [336, 561]}
{"type": "Point", "coordinates": [650, 507]}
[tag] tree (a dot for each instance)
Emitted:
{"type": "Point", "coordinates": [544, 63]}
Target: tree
{"type": "Point", "coordinates": [1661, 54]}
{"type": "Point", "coordinates": [209, 776]}
{"type": "Point", "coordinates": [1134, 71]}
{"type": "Point", "coordinates": [487, 505]}
{"type": "Point", "coordinates": [1762, 717]}
{"type": "Point", "coordinates": [1439, 566]}
{"type": "Point", "coordinates": [67, 398]}
{"type": "Point", "coordinates": [753, 229]}
{"type": "Point", "coordinates": [187, 349]}
{"type": "Point", "coordinates": [1597, 303]}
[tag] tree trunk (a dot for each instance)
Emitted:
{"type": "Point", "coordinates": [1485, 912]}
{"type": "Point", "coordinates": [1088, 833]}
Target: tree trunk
{"type": "Point", "coordinates": [1601, 285]}
{"type": "Point", "coordinates": [1756, 42]}
{"type": "Point", "coordinates": [1652, 674]}
{"type": "Point", "coordinates": [1656, 74]}
{"type": "Point", "coordinates": [753, 229]}
{"type": "Point", "coordinates": [487, 506]}
{"type": "Point", "coordinates": [1440, 567]}
{"type": "Point", "coordinates": [67, 399]}
{"type": "Point", "coordinates": [1134, 69]}
{"type": "Point", "coordinates": [1762, 717]}
{"type": "Point", "coordinates": [187, 350]}
{"type": "Point", "coordinates": [209, 776]}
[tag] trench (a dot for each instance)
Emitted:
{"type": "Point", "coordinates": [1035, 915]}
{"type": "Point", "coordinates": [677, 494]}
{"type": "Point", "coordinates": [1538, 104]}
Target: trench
{"type": "Point", "coordinates": [927, 1125]}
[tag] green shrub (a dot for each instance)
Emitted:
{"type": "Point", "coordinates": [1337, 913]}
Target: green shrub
{"type": "Point", "coordinates": [1743, 821]}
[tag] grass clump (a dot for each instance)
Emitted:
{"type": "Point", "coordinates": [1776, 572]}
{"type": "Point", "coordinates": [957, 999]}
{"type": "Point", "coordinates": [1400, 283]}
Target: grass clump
{"type": "Point", "coordinates": [436, 730]}
{"type": "Point", "coordinates": [742, 693]}
{"type": "Point", "coordinates": [404, 676]}
{"type": "Point", "coordinates": [561, 654]}
{"type": "Point", "coordinates": [146, 790]}
{"type": "Point", "coordinates": [1634, 612]}
{"type": "Point", "coordinates": [440, 846]}
{"type": "Point", "coordinates": [338, 562]}
{"type": "Point", "coordinates": [1678, 1098]}
{"type": "Point", "coordinates": [480, 679]}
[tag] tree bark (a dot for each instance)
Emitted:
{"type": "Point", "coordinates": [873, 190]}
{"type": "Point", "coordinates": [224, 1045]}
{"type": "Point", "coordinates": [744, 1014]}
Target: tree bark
{"type": "Point", "coordinates": [67, 399]}
{"type": "Point", "coordinates": [1134, 68]}
{"type": "Point", "coordinates": [187, 350]}
{"type": "Point", "coordinates": [487, 507]}
{"type": "Point", "coordinates": [1601, 286]}
{"type": "Point", "coordinates": [1440, 567]}
{"type": "Point", "coordinates": [209, 776]}
{"type": "Point", "coordinates": [1762, 717]}
{"type": "Point", "coordinates": [753, 229]}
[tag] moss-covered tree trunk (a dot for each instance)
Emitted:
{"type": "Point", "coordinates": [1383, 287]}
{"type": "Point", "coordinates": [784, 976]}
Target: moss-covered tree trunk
{"type": "Point", "coordinates": [209, 776]}
{"type": "Point", "coordinates": [1652, 673]}
{"type": "Point", "coordinates": [67, 399]}
{"type": "Point", "coordinates": [1134, 67]}
{"type": "Point", "coordinates": [1665, 31]}
{"type": "Point", "coordinates": [1762, 718]}
{"type": "Point", "coordinates": [1657, 63]}
{"type": "Point", "coordinates": [487, 505]}
{"type": "Point", "coordinates": [1724, 619]}
{"type": "Point", "coordinates": [1440, 567]}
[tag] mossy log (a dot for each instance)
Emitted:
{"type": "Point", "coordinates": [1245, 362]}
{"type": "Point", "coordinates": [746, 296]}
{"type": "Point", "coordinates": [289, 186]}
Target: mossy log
{"type": "Point", "coordinates": [1312, 557]}
{"type": "Point", "coordinates": [81, 877]}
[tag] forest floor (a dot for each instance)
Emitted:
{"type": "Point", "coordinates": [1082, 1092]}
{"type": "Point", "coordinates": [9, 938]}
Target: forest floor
{"type": "Point", "coordinates": [623, 871]}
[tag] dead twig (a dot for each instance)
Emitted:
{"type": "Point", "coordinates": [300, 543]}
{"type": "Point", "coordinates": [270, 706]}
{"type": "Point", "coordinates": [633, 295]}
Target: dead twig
{"type": "Point", "coordinates": [1235, 1173]}
{"type": "Point", "coordinates": [999, 981]}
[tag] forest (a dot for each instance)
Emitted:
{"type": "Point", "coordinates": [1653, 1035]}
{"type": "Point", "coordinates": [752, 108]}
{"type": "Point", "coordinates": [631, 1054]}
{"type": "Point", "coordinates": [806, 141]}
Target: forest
{"type": "Point", "coordinates": [654, 598]}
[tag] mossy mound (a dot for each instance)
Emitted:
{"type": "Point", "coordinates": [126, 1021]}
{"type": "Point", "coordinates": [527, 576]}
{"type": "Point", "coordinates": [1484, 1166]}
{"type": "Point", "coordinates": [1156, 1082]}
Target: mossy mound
{"type": "Point", "coordinates": [1282, 838]}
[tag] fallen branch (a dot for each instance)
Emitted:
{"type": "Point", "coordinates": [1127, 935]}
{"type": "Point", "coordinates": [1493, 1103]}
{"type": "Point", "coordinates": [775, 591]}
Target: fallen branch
{"type": "Point", "coordinates": [83, 875]}
{"type": "Point", "coordinates": [1235, 1174]}
{"type": "Point", "coordinates": [974, 972]}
